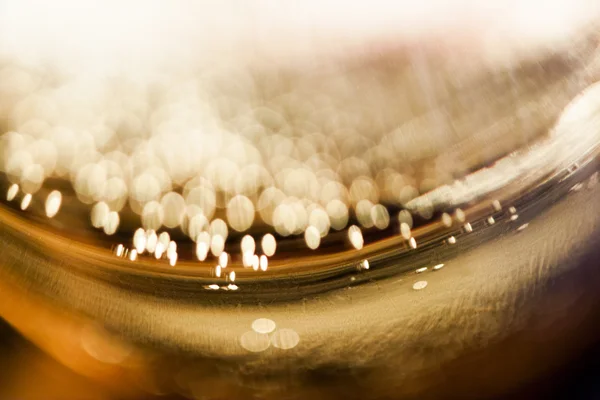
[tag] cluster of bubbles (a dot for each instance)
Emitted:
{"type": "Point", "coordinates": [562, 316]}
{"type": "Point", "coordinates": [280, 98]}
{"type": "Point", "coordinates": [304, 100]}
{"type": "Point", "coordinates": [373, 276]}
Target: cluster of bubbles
{"type": "Point", "coordinates": [208, 154]}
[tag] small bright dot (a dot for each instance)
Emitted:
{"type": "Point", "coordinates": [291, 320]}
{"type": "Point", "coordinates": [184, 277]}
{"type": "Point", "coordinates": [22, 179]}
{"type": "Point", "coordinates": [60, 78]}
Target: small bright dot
{"type": "Point", "coordinates": [247, 259]}
{"type": "Point", "coordinates": [218, 271]}
{"type": "Point", "coordinates": [26, 201]}
{"type": "Point", "coordinates": [365, 264]}
{"type": "Point", "coordinates": [285, 339]}
{"type": "Point", "coordinates": [405, 231]}
{"type": "Point", "coordinates": [255, 262]}
{"type": "Point", "coordinates": [497, 206]}
{"type": "Point", "coordinates": [512, 210]}
{"type": "Point", "coordinates": [217, 244]}
{"type": "Point", "coordinates": [151, 241]}
{"type": "Point", "coordinates": [264, 262]}
{"type": "Point", "coordinates": [53, 202]}
{"type": "Point", "coordinates": [468, 228]}
{"type": "Point", "coordinates": [460, 215]}
{"type": "Point", "coordinates": [420, 285]}
{"type": "Point", "coordinates": [421, 270]}
{"type": "Point", "coordinates": [446, 220]}
{"type": "Point", "coordinates": [312, 237]}
{"type": "Point", "coordinates": [356, 237]}
{"type": "Point", "coordinates": [173, 259]}
{"type": "Point", "coordinates": [248, 244]}
{"type": "Point", "coordinates": [438, 267]}
{"type": "Point", "coordinates": [160, 249]}
{"type": "Point", "coordinates": [452, 240]}
{"type": "Point", "coordinates": [139, 240]}
{"type": "Point", "coordinates": [232, 286]}
{"type": "Point", "coordinates": [120, 250]}
{"type": "Point", "coordinates": [112, 223]}
{"type": "Point", "coordinates": [171, 249]}
{"type": "Point", "coordinates": [133, 255]}
{"type": "Point", "coordinates": [202, 245]}
{"type": "Point", "coordinates": [263, 325]}
{"type": "Point", "coordinates": [491, 220]}
{"type": "Point", "coordinates": [413, 243]}
{"type": "Point", "coordinates": [255, 342]}
{"type": "Point", "coordinates": [405, 216]}
{"type": "Point", "coordinates": [12, 191]}
{"type": "Point", "coordinates": [99, 214]}
{"type": "Point", "coordinates": [213, 287]}
{"type": "Point", "coordinates": [268, 244]}
{"type": "Point", "coordinates": [223, 259]}
{"type": "Point", "coordinates": [522, 227]}
{"type": "Point", "coordinates": [232, 276]}
{"type": "Point", "coordinates": [514, 217]}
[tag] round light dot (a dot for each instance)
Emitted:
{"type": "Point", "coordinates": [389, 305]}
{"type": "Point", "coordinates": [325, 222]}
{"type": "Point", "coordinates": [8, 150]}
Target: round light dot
{"type": "Point", "coordinates": [420, 285]}
{"type": "Point", "coordinates": [152, 215]}
{"type": "Point", "coordinates": [285, 339]}
{"type": "Point", "coordinates": [152, 241]}
{"type": "Point", "coordinates": [460, 215]}
{"type": "Point", "coordinates": [312, 237]}
{"type": "Point", "coordinates": [263, 325]}
{"type": "Point", "coordinates": [446, 220]}
{"type": "Point", "coordinates": [232, 276]}
{"type": "Point", "coordinates": [405, 231]}
{"type": "Point", "coordinates": [218, 227]}
{"type": "Point", "coordinates": [355, 236]}
{"type": "Point", "coordinates": [218, 271]}
{"type": "Point", "coordinates": [320, 220]}
{"type": "Point", "coordinates": [223, 259]}
{"type": "Point", "coordinates": [99, 214]}
{"type": "Point", "coordinates": [32, 178]}
{"type": "Point", "coordinates": [254, 341]}
{"type": "Point", "coordinates": [217, 244]}
{"type": "Point", "coordinates": [338, 214]}
{"type": "Point", "coordinates": [264, 262]}
{"type": "Point", "coordinates": [173, 206]}
{"type": "Point", "coordinates": [405, 216]}
{"type": "Point", "coordinates": [248, 245]}
{"type": "Point", "coordinates": [53, 202]}
{"type": "Point", "coordinates": [112, 223]}
{"type": "Point", "coordinates": [268, 244]}
{"type": "Point", "coordinates": [139, 240]}
{"type": "Point", "coordinates": [240, 213]}
{"type": "Point", "coordinates": [380, 216]}
{"type": "Point", "coordinates": [413, 243]}
{"type": "Point", "coordinates": [438, 267]}
{"type": "Point", "coordinates": [26, 201]}
{"type": "Point", "coordinates": [12, 191]}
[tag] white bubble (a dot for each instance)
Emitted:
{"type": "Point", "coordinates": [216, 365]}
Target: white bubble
{"type": "Point", "coordinates": [255, 342]}
{"type": "Point", "coordinates": [405, 216]}
{"type": "Point", "coordinates": [248, 245]}
{"type": "Point", "coordinates": [217, 244]}
{"type": "Point", "coordinates": [263, 325]}
{"type": "Point", "coordinates": [112, 223]}
{"type": "Point", "coordinates": [173, 206]}
{"type": "Point", "coordinates": [380, 216]}
{"type": "Point", "coordinates": [223, 259]}
{"type": "Point", "coordinates": [152, 215]}
{"type": "Point", "coordinates": [264, 262]}
{"type": "Point", "coordinates": [338, 214]}
{"type": "Point", "coordinates": [268, 244]}
{"type": "Point", "coordinates": [12, 191]}
{"type": "Point", "coordinates": [26, 201]}
{"type": "Point", "coordinates": [319, 219]}
{"type": "Point", "coordinates": [32, 178]}
{"type": "Point", "coordinates": [139, 240]}
{"type": "Point", "coordinates": [312, 237]}
{"type": "Point", "coordinates": [99, 214]}
{"type": "Point", "coordinates": [218, 227]}
{"type": "Point", "coordinates": [285, 339]}
{"type": "Point", "coordinates": [152, 241]}
{"type": "Point", "coordinates": [405, 231]}
{"type": "Point", "coordinates": [240, 213]}
{"type": "Point", "coordinates": [355, 236]}
{"type": "Point", "coordinates": [53, 202]}
{"type": "Point", "coordinates": [363, 213]}
{"type": "Point", "coordinates": [420, 285]}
